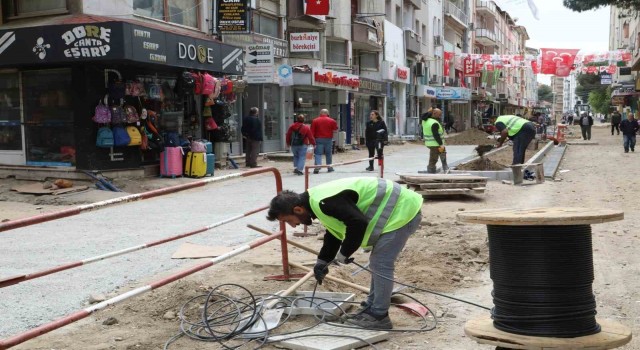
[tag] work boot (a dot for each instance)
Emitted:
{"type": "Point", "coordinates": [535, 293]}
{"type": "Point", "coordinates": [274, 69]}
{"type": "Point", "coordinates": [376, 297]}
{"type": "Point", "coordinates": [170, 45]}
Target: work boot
{"type": "Point", "coordinates": [364, 306]}
{"type": "Point", "coordinates": [369, 168]}
{"type": "Point", "coordinates": [431, 170]}
{"type": "Point", "coordinates": [316, 171]}
{"type": "Point", "coordinates": [367, 321]}
{"type": "Point", "coordinates": [330, 170]}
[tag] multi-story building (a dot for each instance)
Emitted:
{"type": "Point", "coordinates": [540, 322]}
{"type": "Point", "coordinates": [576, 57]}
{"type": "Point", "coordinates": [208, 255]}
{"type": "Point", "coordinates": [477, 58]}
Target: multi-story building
{"type": "Point", "coordinates": [624, 33]}
{"type": "Point", "coordinates": [531, 80]}
{"type": "Point", "coordinates": [569, 98]}
{"type": "Point", "coordinates": [557, 89]}
{"type": "Point", "coordinates": [62, 60]}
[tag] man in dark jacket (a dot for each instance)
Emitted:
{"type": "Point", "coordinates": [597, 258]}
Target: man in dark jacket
{"type": "Point", "coordinates": [616, 118]}
{"type": "Point", "coordinates": [629, 128]}
{"type": "Point", "coordinates": [252, 133]}
{"type": "Point", "coordinates": [375, 136]}
{"type": "Point", "coordinates": [586, 122]}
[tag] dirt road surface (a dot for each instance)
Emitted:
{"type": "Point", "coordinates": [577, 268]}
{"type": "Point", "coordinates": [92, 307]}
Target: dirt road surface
{"type": "Point", "coordinates": [444, 255]}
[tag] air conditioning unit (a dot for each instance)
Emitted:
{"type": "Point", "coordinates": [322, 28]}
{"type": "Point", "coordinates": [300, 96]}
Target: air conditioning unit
{"type": "Point", "coordinates": [421, 69]}
{"type": "Point", "coordinates": [437, 40]}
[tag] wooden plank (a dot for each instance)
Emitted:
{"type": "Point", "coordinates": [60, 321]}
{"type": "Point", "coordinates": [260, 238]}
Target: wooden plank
{"type": "Point", "coordinates": [540, 216]}
{"type": "Point", "coordinates": [611, 336]}
{"type": "Point", "coordinates": [452, 185]}
{"type": "Point", "coordinates": [412, 179]}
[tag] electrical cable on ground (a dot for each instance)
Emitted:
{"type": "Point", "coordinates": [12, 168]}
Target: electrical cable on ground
{"type": "Point", "coordinates": [227, 320]}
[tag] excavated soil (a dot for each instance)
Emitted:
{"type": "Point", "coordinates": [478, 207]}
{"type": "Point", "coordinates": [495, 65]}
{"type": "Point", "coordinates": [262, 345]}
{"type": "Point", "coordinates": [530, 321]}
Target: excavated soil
{"type": "Point", "coordinates": [470, 137]}
{"type": "Point", "coordinates": [481, 164]}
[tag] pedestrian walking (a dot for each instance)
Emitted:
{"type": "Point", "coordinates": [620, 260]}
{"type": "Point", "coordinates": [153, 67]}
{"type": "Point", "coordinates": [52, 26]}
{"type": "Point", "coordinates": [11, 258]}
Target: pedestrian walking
{"type": "Point", "coordinates": [586, 122]}
{"type": "Point", "coordinates": [629, 129]}
{"type": "Point", "coordinates": [299, 138]}
{"type": "Point", "coordinates": [434, 140]}
{"type": "Point", "coordinates": [375, 136]}
{"type": "Point", "coordinates": [367, 212]}
{"type": "Point", "coordinates": [519, 130]}
{"type": "Point", "coordinates": [616, 119]}
{"type": "Point", "coordinates": [252, 132]}
{"type": "Point", "coordinates": [322, 129]}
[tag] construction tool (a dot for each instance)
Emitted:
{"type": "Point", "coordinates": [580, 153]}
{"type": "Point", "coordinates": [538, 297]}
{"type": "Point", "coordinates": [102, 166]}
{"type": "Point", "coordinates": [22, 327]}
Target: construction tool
{"type": "Point", "coordinates": [313, 295]}
{"type": "Point", "coordinates": [482, 149]}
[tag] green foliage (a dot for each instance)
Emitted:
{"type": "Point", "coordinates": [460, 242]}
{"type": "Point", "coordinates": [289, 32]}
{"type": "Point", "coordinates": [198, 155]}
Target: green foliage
{"type": "Point", "coordinates": [544, 93]}
{"type": "Point", "coordinates": [600, 101]}
{"type": "Point", "coordinates": [588, 83]}
{"type": "Point", "coordinates": [586, 5]}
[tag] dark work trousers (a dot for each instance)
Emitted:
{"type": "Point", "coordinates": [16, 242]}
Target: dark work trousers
{"type": "Point", "coordinates": [616, 127]}
{"type": "Point", "coordinates": [586, 131]}
{"type": "Point", "coordinates": [251, 153]}
{"type": "Point", "coordinates": [372, 150]}
{"type": "Point", "coordinates": [520, 142]}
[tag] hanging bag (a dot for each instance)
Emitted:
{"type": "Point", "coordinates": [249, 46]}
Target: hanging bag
{"type": "Point", "coordinates": [118, 115]}
{"type": "Point", "coordinates": [208, 84]}
{"type": "Point", "coordinates": [210, 124]}
{"type": "Point", "coordinates": [132, 114]}
{"type": "Point", "coordinates": [135, 138]}
{"type": "Point", "coordinates": [105, 137]}
{"type": "Point", "coordinates": [120, 136]}
{"type": "Point", "coordinates": [102, 114]}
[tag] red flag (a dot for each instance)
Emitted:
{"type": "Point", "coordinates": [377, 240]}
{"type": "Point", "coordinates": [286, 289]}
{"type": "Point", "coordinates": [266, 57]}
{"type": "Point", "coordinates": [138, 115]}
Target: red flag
{"type": "Point", "coordinates": [534, 67]}
{"type": "Point", "coordinates": [317, 7]}
{"type": "Point", "coordinates": [461, 78]}
{"type": "Point", "coordinates": [558, 62]}
{"type": "Point", "coordinates": [447, 61]}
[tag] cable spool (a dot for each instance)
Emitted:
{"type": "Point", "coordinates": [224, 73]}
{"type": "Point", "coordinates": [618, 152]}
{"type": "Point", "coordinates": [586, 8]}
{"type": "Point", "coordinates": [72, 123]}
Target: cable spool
{"type": "Point", "coordinates": [541, 264]}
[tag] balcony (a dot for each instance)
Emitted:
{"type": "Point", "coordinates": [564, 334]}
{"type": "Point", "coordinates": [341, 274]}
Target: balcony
{"type": "Point", "coordinates": [486, 7]}
{"type": "Point", "coordinates": [416, 3]}
{"type": "Point", "coordinates": [365, 35]}
{"type": "Point", "coordinates": [412, 41]}
{"type": "Point", "coordinates": [485, 37]}
{"type": "Point", "coordinates": [455, 15]}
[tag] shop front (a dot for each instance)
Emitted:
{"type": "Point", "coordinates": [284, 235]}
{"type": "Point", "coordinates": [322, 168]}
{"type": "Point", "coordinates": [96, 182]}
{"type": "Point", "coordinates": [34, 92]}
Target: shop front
{"type": "Point", "coordinates": [324, 89]}
{"type": "Point", "coordinates": [370, 96]}
{"type": "Point", "coordinates": [54, 80]}
{"type": "Point", "coordinates": [399, 78]}
{"type": "Point", "coordinates": [455, 105]}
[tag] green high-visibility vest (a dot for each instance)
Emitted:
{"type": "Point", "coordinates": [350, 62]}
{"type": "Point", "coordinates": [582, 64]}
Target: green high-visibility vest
{"type": "Point", "coordinates": [387, 205]}
{"type": "Point", "coordinates": [513, 123]}
{"type": "Point", "coordinates": [429, 140]}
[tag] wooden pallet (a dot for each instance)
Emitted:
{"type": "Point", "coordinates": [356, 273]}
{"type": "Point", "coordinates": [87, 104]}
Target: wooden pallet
{"type": "Point", "coordinates": [437, 185]}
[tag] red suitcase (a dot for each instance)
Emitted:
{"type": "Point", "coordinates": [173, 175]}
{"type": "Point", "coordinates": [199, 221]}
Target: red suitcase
{"type": "Point", "coordinates": [171, 162]}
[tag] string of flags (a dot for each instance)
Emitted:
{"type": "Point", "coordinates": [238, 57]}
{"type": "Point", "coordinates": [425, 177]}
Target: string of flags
{"type": "Point", "coordinates": [558, 62]}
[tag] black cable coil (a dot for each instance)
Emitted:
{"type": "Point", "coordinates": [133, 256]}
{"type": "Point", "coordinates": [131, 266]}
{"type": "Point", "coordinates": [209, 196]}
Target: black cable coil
{"type": "Point", "coordinates": [542, 280]}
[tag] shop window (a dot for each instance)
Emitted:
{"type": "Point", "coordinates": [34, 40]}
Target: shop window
{"type": "Point", "coordinates": [31, 8]}
{"type": "Point", "coordinates": [265, 25]}
{"type": "Point", "coordinates": [10, 129]}
{"type": "Point", "coordinates": [272, 112]}
{"type": "Point", "coordinates": [368, 60]}
{"type": "Point", "coordinates": [336, 52]}
{"type": "Point", "coordinates": [306, 103]}
{"type": "Point", "coordinates": [184, 12]}
{"type": "Point", "coordinates": [48, 117]}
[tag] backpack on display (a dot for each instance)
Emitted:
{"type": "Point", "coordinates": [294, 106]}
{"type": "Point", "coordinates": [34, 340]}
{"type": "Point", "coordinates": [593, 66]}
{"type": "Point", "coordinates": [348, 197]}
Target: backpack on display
{"type": "Point", "coordinates": [132, 114]}
{"type": "Point", "coordinates": [105, 137]}
{"type": "Point", "coordinates": [210, 124]}
{"type": "Point", "coordinates": [172, 139]}
{"type": "Point", "coordinates": [239, 86]}
{"type": "Point", "coordinates": [197, 79]}
{"type": "Point", "coordinates": [102, 114]}
{"type": "Point", "coordinates": [135, 138]}
{"type": "Point", "coordinates": [198, 146]}
{"type": "Point", "coordinates": [118, 116]}
{"type": "Point", "coordinates": [187, 83]}
{"type": "Point", "coordinates": [208, 84]}
{"type": "Point", "coordinates": [297, 139]}
{"type": "Point", "coordinates": [120, 136]}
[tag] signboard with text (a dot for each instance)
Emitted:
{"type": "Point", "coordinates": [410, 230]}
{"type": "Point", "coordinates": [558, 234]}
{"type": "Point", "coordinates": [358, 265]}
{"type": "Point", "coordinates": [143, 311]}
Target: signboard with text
{"type": "Point", "coordinates": [259, 64]}
{"type": "Point", "coordinates": [334, 79]}
{"type": "Point", "coordinates": [232, 16]}
{"type": "Point", "coordinates": [305, 42]}
{"type": "Point", "coordinates": [453, 93]}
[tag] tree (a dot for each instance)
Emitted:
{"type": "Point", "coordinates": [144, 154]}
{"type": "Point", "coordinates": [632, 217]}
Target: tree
{"type": "Point", "coordinates": [586, 5]}
{"type": "Point", "coordinates": [600, 100]}
{"type": "Point", "coordinates": [588, 83]}
{"type": "Point", "coordinates": [544, 93]}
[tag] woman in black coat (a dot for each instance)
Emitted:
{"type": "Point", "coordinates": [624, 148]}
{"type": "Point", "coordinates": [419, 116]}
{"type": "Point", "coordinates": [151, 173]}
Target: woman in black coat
{"type": "Point", "coordinates": [375, 136]}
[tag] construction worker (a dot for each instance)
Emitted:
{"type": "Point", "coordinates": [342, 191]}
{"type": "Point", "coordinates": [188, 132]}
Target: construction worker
{"type": "Point", "coordinates": [365, 212]}
{"type": "Point", "coordinates": [434, 140]}
{"type": "Point", "coordinates": [519, 130]}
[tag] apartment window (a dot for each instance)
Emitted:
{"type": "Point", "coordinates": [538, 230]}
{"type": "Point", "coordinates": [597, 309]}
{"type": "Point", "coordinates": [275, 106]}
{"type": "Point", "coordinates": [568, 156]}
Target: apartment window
{"type": "Point", "coordinates": [337, 52]}
{"type": "Point", "coordinates": [24, 8]}
{"type": "Point", "coordinates": [184, 12]}
{"type": "Point", "coordinates": [416, 27]}
{"type": "Point", "coordinates": [266, 25]}
{"type": "Point", "coordinates": [424, 35]}
{"type": "Point", "coordinates": [368, 60]}
{"type": "Point", "coordinates": [387, 7]}
{"type": "Point", "coordinates": [625, 30]}
{"type": "Point", "coordinates": [398, 16]}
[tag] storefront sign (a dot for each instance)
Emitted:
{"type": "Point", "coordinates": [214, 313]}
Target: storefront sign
{"type": "Point", "coordinates": [335, 79]}
{"type": "Point", "coordinates": [395, 72]}
{"type": "Point", "coordinates": [285, 74]}
{"type": "Point", "coordinates": [372, 87]}
{"type": "Point", "coordinates": [259, 64]}
{"type": "Point", "coordinates": [115, 41]}
{"type": "Point", "coordinates": [469, 67]}
{"type": "Point", "coordinates": [453, 93]}
{"type": "Point", "coordinates": [305, 42]}
{"type": "Point", "coordinates": [393, 43]}
{"type": "Point", "coordinates": [606, 79]}
{"type": "Point", "coordinates": [426, 91]}
{"type": "Point", "coordinates": [280, 47]}
{"type": "Point", "coordinates": [233, 16]}
{"type": "Point", "coordinates": [62, 43]}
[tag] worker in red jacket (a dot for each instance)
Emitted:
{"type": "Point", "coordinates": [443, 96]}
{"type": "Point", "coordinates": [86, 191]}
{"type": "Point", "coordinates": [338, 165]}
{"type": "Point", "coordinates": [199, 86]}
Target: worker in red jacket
{"type": "Point", "coordinates": [322, 129]}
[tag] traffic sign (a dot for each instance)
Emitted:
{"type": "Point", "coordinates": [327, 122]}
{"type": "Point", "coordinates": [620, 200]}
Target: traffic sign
{"type": "Point", "coordinates": [259, 55]}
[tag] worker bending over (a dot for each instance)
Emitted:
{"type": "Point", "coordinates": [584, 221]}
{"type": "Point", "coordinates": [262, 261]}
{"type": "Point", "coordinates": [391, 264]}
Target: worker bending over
{"type": "Point", "coordinates": [519, 130]}
{"type": "Point", "coordinates": [365, 212]}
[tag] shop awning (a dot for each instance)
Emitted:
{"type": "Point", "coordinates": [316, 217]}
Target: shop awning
{"type": "Point", "coordinates": [86, 38]}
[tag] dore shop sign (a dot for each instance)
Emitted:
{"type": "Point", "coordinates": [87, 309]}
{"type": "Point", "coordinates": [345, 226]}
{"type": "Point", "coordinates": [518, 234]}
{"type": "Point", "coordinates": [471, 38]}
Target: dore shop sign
{"type": "Point", "coordinates": [87, 41]}
{"type": "Point", "coordinates": [335, 79]}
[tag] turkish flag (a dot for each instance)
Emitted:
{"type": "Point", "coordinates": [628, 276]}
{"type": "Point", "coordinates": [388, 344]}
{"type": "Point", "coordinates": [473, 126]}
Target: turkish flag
{"type": "Point", "coordinates": [558, 62]}
{"type": "Point", "coordinates": [317, 7]}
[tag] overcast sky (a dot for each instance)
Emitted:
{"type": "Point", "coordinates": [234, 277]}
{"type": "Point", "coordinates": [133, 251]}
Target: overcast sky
{"type": "Point", "coordinates": [560, 27]}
